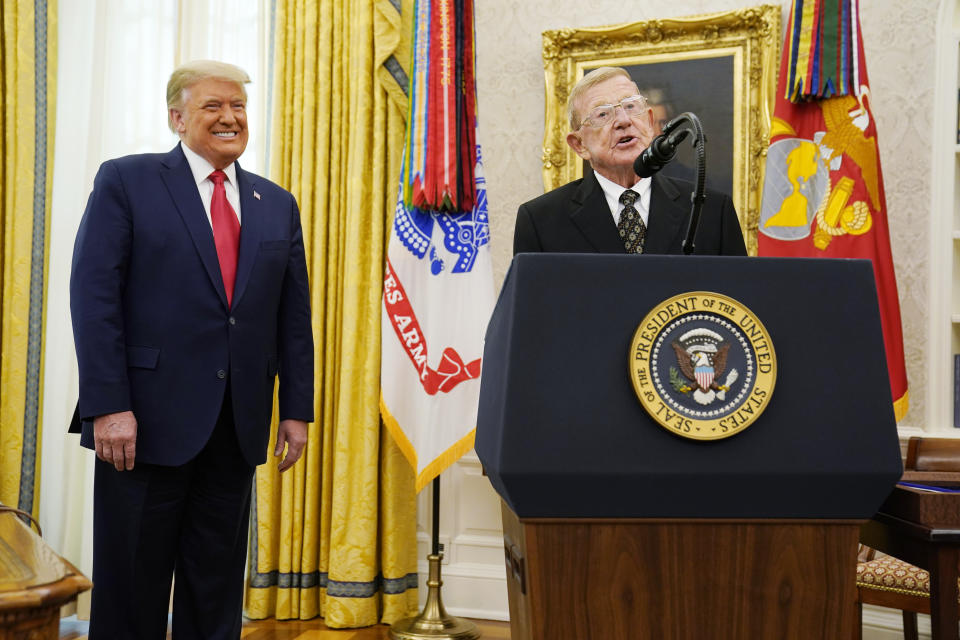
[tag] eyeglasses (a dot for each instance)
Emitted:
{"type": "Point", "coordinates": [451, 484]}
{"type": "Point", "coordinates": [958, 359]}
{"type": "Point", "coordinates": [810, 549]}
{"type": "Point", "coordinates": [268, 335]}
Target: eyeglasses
{"type": "Point", "coordinates": [634, 106]}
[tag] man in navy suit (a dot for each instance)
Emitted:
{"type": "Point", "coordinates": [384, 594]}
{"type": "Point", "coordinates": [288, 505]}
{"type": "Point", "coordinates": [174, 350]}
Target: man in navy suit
{"type": "Point", "coordinates": [188, 295]}
{"type": "Point", "coordinates": [611, 209]}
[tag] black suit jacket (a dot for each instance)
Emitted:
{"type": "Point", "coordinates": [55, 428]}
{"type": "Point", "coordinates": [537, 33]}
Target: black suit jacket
{"type": "Point", "coordinates": [575, 218]}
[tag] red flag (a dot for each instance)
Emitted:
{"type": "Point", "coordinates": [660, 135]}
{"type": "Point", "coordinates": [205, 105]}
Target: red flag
{"type": "Point", "coordinates": [823, 191]}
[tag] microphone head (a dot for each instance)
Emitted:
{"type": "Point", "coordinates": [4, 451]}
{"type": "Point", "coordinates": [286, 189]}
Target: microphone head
{"type": "Point", "coordinates": [661, 151]}
{"type": "Point", "coordinates": [646, 165]}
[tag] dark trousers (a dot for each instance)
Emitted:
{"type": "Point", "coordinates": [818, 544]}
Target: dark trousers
{"type": "Point", "coordinates": [155, 522]}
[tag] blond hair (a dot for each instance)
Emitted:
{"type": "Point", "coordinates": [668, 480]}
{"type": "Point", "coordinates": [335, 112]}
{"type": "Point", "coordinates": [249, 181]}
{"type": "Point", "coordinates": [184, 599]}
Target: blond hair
{"type": "Point", "coordinates": [189, 73]}
{"type": "Point", "coordinates": [592, 79]}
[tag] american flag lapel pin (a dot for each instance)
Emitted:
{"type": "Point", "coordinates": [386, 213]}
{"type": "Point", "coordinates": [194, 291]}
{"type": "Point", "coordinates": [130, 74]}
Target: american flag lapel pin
{"type": "Point", "coordinates": [256, 195]}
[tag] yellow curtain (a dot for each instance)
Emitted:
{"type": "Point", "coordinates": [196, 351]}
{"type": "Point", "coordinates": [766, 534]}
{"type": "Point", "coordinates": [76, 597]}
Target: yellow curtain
{"type": "Point", "coordinates": [336, 535]}
{"type": "Point", "coordinates": [27, 96]}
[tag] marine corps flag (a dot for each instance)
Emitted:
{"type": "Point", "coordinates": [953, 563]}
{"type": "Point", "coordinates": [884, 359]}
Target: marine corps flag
{"type": "Point", "coordinates": [823, 191]}
{"type": "Point", "coordinates": [438, 281]}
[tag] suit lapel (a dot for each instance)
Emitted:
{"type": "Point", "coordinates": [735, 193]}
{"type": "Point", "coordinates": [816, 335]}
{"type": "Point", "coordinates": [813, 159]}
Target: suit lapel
{"type": "Point", "coordinates": [591, 216]}
{"type": "Point", "coordinates": [668, 213]}
{"type": "Point", "coordinates": [251, 216]}
{"type": "Point", "coordinates": [178, 178]}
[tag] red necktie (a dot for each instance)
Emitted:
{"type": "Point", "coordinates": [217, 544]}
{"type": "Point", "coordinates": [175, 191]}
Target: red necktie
{"type": "Point", "coordinates": [226, 232]}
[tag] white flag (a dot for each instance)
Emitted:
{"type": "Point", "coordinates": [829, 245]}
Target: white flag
{"type": "Point", "coordinates": [437, 299]}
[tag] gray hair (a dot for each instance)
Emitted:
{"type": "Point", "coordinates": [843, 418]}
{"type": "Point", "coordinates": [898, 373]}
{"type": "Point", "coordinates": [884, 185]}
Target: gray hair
{"type": "Point", "coordinates": [592, 79]}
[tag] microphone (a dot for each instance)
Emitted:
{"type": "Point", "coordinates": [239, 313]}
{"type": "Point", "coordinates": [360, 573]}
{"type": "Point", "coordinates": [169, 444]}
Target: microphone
{"type": "Point", "coordinates": [660, 152]}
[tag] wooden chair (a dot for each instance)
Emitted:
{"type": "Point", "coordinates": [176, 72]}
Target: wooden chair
{"type": "Point", "coordinates": [886, 581]}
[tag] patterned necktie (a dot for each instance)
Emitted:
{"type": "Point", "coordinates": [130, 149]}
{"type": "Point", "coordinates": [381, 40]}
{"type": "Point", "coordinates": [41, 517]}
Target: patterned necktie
{"type": "Point", "coordinates": [632, 230]}
{"type": "Point", "coordinates": [226, 232]}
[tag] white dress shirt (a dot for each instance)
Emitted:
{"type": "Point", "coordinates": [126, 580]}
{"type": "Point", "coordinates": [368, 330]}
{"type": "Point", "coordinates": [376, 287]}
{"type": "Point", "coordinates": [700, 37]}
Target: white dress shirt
{"type": "Point", "coordinates": [201, 170]}
{"type": "Point", "coordinates": [612, 192]}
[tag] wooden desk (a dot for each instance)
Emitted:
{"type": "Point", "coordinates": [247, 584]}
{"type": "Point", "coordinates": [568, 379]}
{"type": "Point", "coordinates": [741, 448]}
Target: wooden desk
{"type": "Point", "coordinates": [34, 583]}
{"type": "Point", "coordinates": [924, 529]}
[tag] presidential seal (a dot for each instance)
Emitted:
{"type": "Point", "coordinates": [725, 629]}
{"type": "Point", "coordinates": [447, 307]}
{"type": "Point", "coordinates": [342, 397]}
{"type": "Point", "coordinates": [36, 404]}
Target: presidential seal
{"type": "Point", "coordinates": [703, 365]}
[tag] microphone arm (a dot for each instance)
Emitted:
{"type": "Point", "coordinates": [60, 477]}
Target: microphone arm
{"type": "Point", "coordinates": [697, 197]}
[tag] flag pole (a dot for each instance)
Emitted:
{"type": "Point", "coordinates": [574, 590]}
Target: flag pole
{"type": "Point", "coordinates": [433, 621]}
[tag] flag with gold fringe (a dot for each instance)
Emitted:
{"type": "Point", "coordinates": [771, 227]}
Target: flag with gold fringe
{"type": "Point", "coordinates": [438, 282]}
{"type": "Point", "coordinates": [823, 191]}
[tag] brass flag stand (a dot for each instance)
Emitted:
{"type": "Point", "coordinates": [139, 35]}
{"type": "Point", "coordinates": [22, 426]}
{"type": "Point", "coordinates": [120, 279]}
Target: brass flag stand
{"type": "Point", "coordinates": [433, 621]}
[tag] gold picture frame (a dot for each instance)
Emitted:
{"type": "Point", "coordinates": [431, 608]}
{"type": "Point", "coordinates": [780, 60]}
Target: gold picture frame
{"type": "Point", "coordinates": [736, 50]}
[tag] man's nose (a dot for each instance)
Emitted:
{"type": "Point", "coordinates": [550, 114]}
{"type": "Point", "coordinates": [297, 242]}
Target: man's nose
{"type": "Point", "coordinates": [227, 115]}
{"type": "Point", "coordinates": [620, 116]}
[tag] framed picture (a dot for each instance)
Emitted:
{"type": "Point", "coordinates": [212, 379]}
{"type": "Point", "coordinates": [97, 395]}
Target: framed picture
{"type": "Point", "coordinates": [722, 67]}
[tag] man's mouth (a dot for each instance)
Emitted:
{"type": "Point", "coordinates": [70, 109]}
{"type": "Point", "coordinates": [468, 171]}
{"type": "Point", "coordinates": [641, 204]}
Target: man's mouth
{"type": "Point", "coordinates": [225, 134]}
{"type": "Point", "coordinates": [625, 141]}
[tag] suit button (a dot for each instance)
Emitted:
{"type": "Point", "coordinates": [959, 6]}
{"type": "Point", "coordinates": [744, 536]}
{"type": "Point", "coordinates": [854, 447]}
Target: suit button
{"type": "Point", "coordinates": [221, 374]}
{"type": "Point", "coordinates": [233, 320]}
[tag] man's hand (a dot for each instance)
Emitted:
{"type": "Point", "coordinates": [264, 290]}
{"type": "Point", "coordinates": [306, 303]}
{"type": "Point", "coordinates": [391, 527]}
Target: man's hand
{"type": "Point", "coordinates": [115, 437]}
{"type": "Point", "coordinates": [292, 433]}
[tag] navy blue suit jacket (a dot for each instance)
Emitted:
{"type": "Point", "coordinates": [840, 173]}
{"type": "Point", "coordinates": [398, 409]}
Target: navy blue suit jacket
{"type": "Point", "coordinates": [575, 218]}
{"type": "Point", "coordinates": [151, 324]}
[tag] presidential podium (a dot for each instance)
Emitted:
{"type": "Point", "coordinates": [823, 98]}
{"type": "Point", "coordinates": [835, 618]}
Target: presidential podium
{"type": "Point", "coordinates": [617, 526]}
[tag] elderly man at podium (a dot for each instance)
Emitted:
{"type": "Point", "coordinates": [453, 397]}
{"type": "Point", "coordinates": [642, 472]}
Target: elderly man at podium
{"type": "Point", "coordinates": [611, 209]}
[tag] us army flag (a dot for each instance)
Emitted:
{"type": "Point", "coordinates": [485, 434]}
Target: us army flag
{"type": "Point", "coordinates": [823, 189]}
{"type": "Point", "coordinates": [438, 282]}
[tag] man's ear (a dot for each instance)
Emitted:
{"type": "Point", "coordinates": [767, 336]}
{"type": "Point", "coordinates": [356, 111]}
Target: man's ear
{"type": "Point", "coordinates": [176, 117]}
{"type": "Point", "coordinates": [650, 118]}
{"type": "Point", "coordinates": [648, 128]}
{"type": "Point", "coordinates": [573, 139]}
